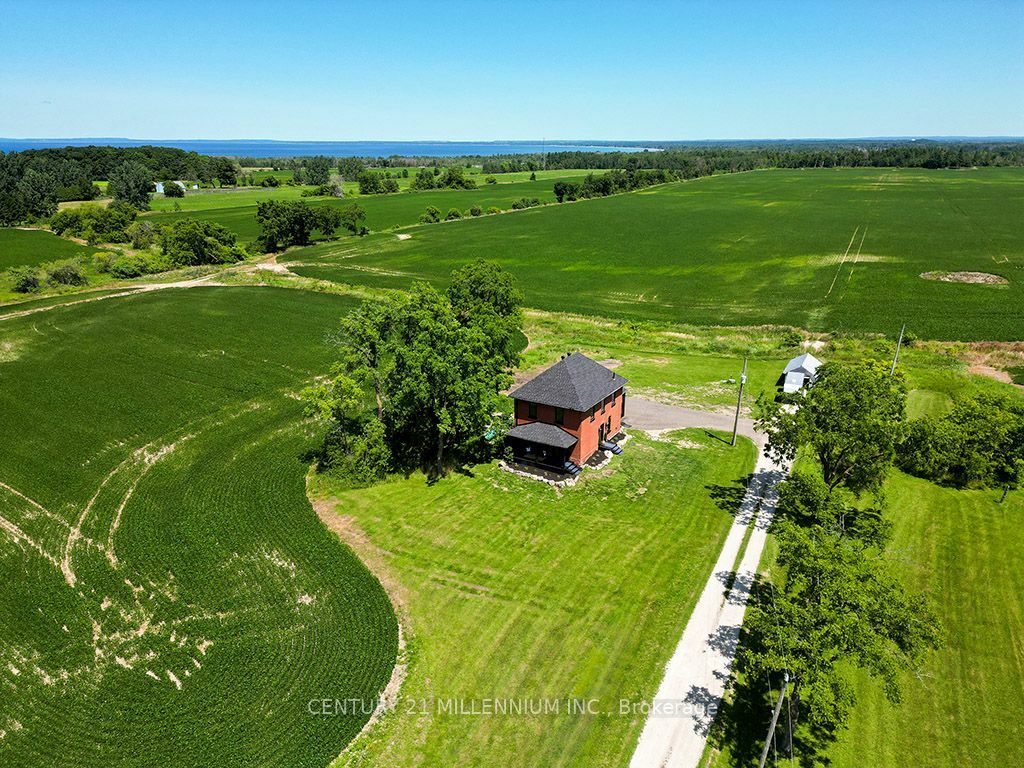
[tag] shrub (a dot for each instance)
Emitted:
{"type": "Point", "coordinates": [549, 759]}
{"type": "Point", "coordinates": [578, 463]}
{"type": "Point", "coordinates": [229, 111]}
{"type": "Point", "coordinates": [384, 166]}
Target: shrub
{"type": "Point", "coordinates": [141, 234]}
{"type": "Point", "coordinates": [525, 202]}
{"type": "Point", "coordinates": [101, 261]}
{"type": "Point", "coordinates": [25, 280]}
{"type": "Point", "coordinates": [127, 266]}
{"type": "Point", "coordinates": [792, 339]}
{"type": "Point", "coordinates": [476, 210]}
{"type": "Point", "coordinates": [324, 190]}
{"type": "Point", "coordinates": [66, 273]}
{"type": "Point", "coordinates": [270, 181]}
{"type": "Point", "coordinates": [94, 223]}
{"type": "Point", "coordinates": [491, 180]}
{"type": "Point", "coordinates": [431, 216]}
{"type": "Point", "coordinates": [173, 189]}
{"type": "Point", "coordinates": [493, 209]}
{"type": "Point", "coordinates": [453, 214]}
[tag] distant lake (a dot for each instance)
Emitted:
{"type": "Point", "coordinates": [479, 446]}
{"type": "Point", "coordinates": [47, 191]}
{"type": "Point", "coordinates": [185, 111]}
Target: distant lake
{"type": "Point", "coordinates": [266, 148]}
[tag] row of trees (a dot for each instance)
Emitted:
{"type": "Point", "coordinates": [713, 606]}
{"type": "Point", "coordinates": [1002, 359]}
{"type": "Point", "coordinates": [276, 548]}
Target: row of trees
{"type": "Point", "coordinates": [418, 380]}
{"type": "Point", "coordinates": [283, 223]}
{"type": "Point", "coordinates": [837, 601]}
{"type": "Point", "coordinates": [452, 177]}
{"type": "Point", "coordinates": [610, 183]}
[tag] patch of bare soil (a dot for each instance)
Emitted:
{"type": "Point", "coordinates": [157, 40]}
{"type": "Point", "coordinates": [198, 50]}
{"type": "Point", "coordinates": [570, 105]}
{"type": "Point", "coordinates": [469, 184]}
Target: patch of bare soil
{"type": "Point", "coordinates": [993, 373]}
{"type": "Point", "coordinates": [992, 358]}
{"type": "Point", "coordinates": [403, 235]}
{"type": "Point", "coordinates": [975, 278]}
{"type": "Point", "coordinates": [611, 362]}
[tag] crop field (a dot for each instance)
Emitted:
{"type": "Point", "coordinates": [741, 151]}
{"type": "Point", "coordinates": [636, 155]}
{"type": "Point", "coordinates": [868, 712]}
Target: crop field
{"type": "Point", "coordinates": [26, 247]}
{"type": "Point", "coordinates": [827, 250]}
{"type": "Point", "coordinates": [517, 591]}
{"type": "Point", "coordinates": [382, 211]}
{"type": "Point", "coordinates": [167, 595]}
{"type": "Point", "coordinates": [964, 550]}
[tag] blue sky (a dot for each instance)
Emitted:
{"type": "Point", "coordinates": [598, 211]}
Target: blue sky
{"type": "Point", "coordinates": [480, 70]}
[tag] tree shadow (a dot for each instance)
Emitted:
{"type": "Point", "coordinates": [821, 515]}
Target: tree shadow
{"type": "Point", "coordinates": [730, 497]}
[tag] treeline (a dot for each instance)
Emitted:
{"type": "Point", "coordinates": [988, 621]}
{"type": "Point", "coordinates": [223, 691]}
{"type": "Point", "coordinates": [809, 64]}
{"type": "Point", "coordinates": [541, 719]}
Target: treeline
{"type": "Point", "coordinates": [33, 182]}
{"type": "Point", "coordinates": [610, 183]}
{"type": "Point", "coordinates": [701, 161]}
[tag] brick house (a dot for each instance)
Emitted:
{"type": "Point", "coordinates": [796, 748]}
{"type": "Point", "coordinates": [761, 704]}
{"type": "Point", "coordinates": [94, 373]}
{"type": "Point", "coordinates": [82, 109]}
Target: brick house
{"type": "Point", "coordinates": [565, 414]}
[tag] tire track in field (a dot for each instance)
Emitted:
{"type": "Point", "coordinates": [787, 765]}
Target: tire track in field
{"type": "Point", "coordinates": [842, 261]}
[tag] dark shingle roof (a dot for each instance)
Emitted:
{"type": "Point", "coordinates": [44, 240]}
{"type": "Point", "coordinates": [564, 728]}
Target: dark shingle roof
{"type": "Point", "coordinates": [544, 434]}
{"type": "Point", "coordinates": [575, 383]}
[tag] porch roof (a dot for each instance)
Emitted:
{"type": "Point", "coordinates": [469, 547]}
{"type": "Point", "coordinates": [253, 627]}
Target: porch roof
{"type": "Point", "coordinates": [543, 434]}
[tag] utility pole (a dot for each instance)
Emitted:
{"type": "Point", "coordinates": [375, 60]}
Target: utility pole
{"type": "Point", "coordinates": [739, 401]}
{"type": "Point", "coordinates": [896, 357]}
{"type": "Point", "coordinates": [775, 720]}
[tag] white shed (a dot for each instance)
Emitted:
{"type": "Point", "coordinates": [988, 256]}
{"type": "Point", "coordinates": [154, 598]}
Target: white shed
{"type": "Point", "coordinates": [799, 372]}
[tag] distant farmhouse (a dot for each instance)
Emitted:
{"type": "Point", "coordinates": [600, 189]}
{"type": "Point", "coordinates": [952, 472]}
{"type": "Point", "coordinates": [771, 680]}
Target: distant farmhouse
{"type": "Point", "coordinates": [567, 413]}
{"type": "Point", "coordinates": [799, 373]}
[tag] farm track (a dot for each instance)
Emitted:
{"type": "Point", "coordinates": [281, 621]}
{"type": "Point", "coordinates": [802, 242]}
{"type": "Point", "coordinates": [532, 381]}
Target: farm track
{"type": "Point", "coordinates": [207, 280]}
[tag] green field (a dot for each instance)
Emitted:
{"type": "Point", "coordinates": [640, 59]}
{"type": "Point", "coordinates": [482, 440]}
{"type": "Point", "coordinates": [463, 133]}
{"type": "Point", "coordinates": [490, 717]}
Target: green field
{"type": "Point", "coordinates": [827, 250]}
{"type": "Point", "coordinates": [27, 247]}
{"type": "Point", "coordinates": [516, 590]}
{"type": "Point", "coordinates": [168, 596]}
{"type": "Point", "coordinates": [964, 550]}
{"type": "Point", "coordinates": [238, 209]}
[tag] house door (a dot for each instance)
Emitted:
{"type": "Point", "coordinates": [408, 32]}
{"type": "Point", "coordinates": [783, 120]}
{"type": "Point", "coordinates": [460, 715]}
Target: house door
{"type": "Point", "coordinates": [600, 435]}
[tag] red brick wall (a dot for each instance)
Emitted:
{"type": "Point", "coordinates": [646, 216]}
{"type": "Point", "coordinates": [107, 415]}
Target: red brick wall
{"type": "Point", "coordinates": [580, 425]}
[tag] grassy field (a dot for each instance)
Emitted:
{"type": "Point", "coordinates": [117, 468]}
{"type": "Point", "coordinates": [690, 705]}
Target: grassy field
{"type": "Point", "coordinates": [827, 250]}
{"type": "Point", "coordinates": [515, 590]}
{"type": "Point", "coordinates": [167, 595]}
{"type": "Point", "coordinates": [26, 247]}
{"type": "Point", "coordinates": [238, 209]}
{"type": "Point", "coordinates": [964, 550]}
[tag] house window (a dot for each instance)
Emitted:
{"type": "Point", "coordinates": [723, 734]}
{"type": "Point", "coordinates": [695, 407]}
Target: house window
{"type": "Point", "coordinates": [622, 413]}
{"type": "Point", "coordinates": [593, 412]}
{"type": "Point", "coordinates": [532, 410]}
{"type": "Point", "coordinates": [559, 415]}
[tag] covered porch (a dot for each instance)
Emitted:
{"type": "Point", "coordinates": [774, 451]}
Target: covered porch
{"type": "Point", "coordinates": [542, 445]}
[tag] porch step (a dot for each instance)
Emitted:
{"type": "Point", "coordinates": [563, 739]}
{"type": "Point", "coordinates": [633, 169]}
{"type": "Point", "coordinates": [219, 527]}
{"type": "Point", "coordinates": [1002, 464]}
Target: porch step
{"type": "Point", "coordinates": [607, 446]}
{"type": "Point", "coordinates": [572, 468]}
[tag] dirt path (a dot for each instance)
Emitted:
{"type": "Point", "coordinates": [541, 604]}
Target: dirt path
{"type": "Point", "coordinates": [130, 291]}
{"type": "Point", "coordinates": [688, 698]}
{"type": "Point", "coordinates": [344, 526]}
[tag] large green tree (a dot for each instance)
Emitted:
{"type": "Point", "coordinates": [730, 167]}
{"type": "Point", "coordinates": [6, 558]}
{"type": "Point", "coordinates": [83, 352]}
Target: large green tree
{"type": "Point", "coordinates": [131, 182]}
{"type": "Point", "coordinates": [838, 604]}
{"type": "Point", "coordinates": [485, 296]}
{"type": "Point", "coordinates": [851, 418]}
{"type": "Point", "coordinates": [318, 170]}
{"type": "Point", "coordinates": [443, 384]}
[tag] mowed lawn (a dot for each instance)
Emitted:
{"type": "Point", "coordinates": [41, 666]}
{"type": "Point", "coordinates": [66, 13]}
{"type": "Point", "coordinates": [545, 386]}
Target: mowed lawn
{"type": "Point", "coordinates": [967, 553]}
{"type": "Point", "coordinates": [27, 247]}
{"type": "Point", "coordinates": [237, 210]}
{"type": "Point", "coordinates": [167, 594]}
{"type": "Point", "coordinates": [825, 249]}
{"type": "Point", "coordinates": [514, 590]}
